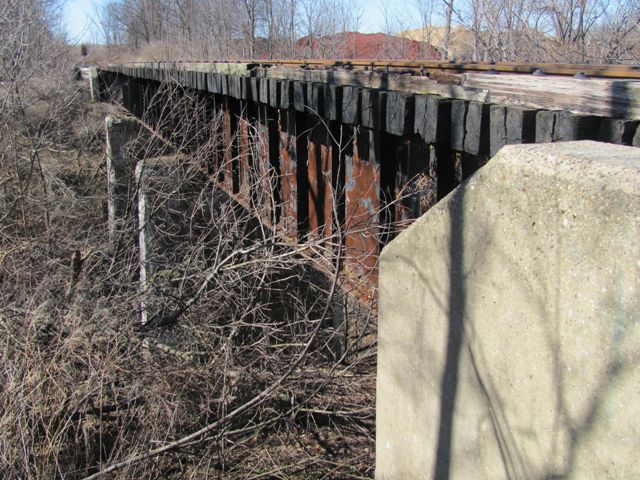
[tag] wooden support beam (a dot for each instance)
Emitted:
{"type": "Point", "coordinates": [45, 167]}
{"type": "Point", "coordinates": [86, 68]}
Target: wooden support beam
{"type": "Point", "coordinates": [351, 105]}
{"type": "Point", "coordinates": [521, 125]}
{"type": "Point", "coordinates": [498, 124]}
{"type": "Point", "coordinates": [458, 115]}
{"type": "Point", "coordinates": [617, 131]}
{"type": "Point", "coordinates": [476, 128]}
{"type": "Point", "coordinates": [400, 113]}
{"type": "Point", "coordinates": [575, 127]}
{"type": "Point", "coordinates": [545, 126]}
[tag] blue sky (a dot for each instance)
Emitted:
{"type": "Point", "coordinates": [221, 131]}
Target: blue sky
{"type": "Point", "coordinates": [78, 14]}
{"type": "Point", "coordinates": [77, 18]}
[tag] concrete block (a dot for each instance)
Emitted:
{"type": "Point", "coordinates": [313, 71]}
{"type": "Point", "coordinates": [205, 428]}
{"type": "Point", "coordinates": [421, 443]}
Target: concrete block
{"type": "Point", "coordinates": [509, 323]}
{"type": "Point", "coordinates": [168, 192]}
{"type": "Point", "coordinates": [120, 166]}
{"type": "Point", "coordinates": [94, 84]}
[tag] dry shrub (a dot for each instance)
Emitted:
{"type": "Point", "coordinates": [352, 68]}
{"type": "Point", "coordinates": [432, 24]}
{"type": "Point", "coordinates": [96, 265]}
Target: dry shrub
{"type": "Point", "coordinates": [245, 350]}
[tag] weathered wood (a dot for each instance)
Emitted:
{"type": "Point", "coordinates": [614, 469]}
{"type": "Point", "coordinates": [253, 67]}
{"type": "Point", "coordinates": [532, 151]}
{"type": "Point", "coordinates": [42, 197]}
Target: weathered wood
{"type": "Point", "coordinates": [617, 131]}
{"type": "Point", "coordinates": [607, 98]}
{"type": "Point", "coordinates": [545, 125]}
{"type": "Point", "coordinates": [286, 94]}
{"type": "Point", "coordinates": [224, 85]}
{"type": "Point", "coordinates": [498, 123]}
{"type": "Point", "coordinates": [201, 81]}
{"type": "Point", "coordinates": [245, 84]}
{"type": "Point", "coordinates": [264, 90]}
{"type": "Point", "coordinates": [371, 108]}
{"type": "Point", "coordinates": [332, 99]}
{"type": "Point", "coordinates": [274, 93]}
{"type": "Point", "coordinates": [575, 127]}
{"type": "Point", "coordinates": [458, 114]}
{"type": "Point", "coordinates": [255, 89]}
{"type": "Point", "coordinates": [521, 125]}
{"type": "Point", "coordinates": [213, 83]}
{"type": "Point", "coordinates": [351, 105]}
{"type": "Point", "coordinates": [299, 96]}
{"type": "Point", "coordinates": [368, 79]}
{"type": "Point", "coordinates": [476, 128]}
{"type": "Point", "coordinates": [437, 127]}
{"type": "Point", "coordinates": [314, 98]}
{"type": "Point", "coordinates": [400, 113]}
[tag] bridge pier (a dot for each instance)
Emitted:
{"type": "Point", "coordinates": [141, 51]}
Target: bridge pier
{"type": "Point", "coordinates": [120, 132]}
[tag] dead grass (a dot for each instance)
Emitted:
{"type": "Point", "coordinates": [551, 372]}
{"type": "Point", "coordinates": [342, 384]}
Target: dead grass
{"type": "Point", "coordinates": [84, 386]}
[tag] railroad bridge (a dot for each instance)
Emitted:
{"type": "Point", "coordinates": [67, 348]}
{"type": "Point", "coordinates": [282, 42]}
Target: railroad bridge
{"type": "Point", "coordinates": [509, 321]}
{"type": "Point", "coordinates": [392, 137]}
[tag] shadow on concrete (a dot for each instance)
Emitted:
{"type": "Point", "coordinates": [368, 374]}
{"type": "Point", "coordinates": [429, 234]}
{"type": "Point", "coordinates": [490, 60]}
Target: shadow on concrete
{"type": "Point", "coordinates": [457, 303]}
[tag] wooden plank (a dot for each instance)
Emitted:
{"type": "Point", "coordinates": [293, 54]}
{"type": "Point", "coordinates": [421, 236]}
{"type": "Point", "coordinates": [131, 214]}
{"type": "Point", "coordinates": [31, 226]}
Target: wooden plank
{"type": "Point", "coordinates": [606, 98]}
{"type": "Point", "coordinates": [368, 79]}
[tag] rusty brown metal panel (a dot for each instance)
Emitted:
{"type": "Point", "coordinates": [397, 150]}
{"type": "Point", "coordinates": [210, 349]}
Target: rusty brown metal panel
{"type": "Point", "coordinates": [288, 173]}
{"type": "Point", "coordinates": [362, 203]}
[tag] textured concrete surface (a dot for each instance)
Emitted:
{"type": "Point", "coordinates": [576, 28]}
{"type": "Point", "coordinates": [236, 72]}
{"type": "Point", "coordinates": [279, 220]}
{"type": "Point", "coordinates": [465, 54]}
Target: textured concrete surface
{"type": "Point", "coordinates": [509, 324]}
{"type": "Point", "coordinates": [169, 215]}
{"type": "Point", "coordinates": [120, 131]}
